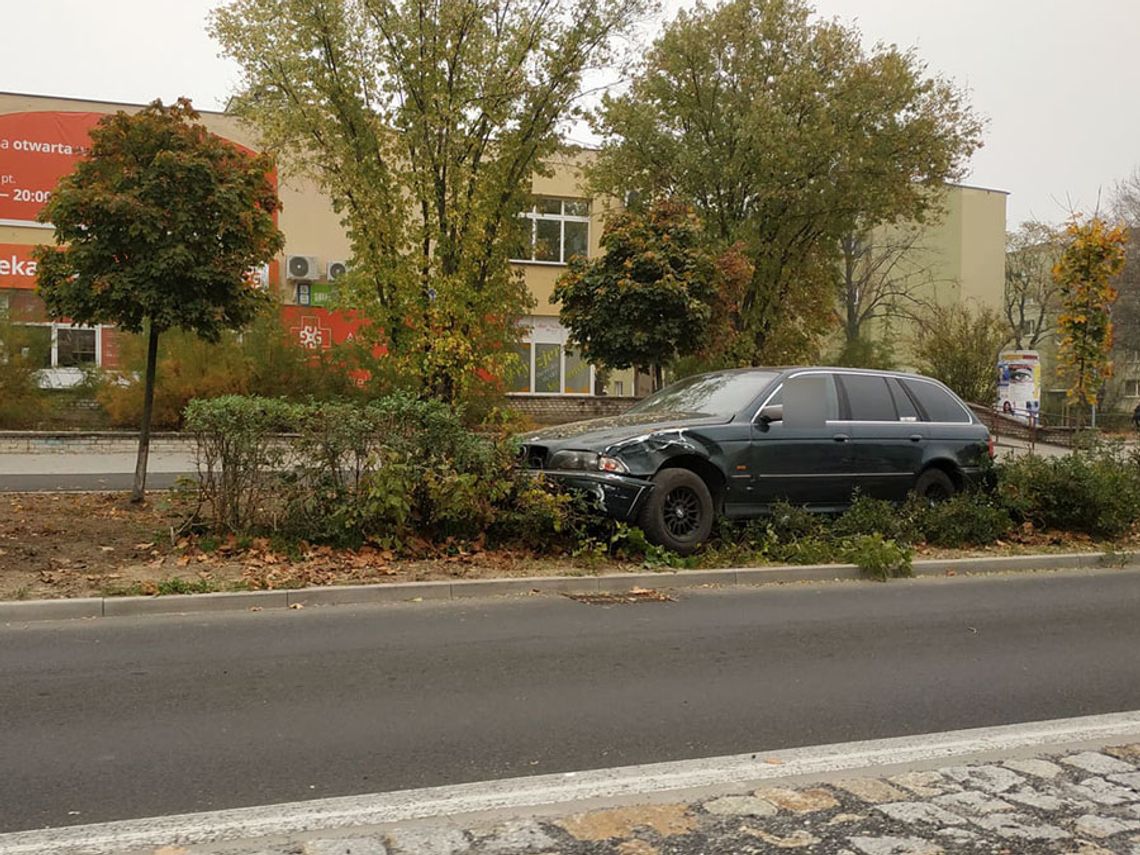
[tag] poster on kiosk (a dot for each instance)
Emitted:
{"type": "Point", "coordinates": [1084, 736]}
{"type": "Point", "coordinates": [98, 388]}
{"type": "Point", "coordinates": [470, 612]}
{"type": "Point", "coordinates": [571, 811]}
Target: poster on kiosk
{"type": "Point", "coordinates": [1019, 385]}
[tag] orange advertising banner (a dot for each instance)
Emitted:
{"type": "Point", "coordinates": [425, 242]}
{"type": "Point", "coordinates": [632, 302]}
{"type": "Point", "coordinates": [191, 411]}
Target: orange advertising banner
{"type": "Point", "coordinates": [36, 150]}
{"type": "Point", "coordinates": [17, 270]}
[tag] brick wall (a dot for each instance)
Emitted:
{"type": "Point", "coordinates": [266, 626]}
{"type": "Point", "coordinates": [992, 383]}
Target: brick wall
{"type": "Point", "coordinates": [89, 442]}
{"type": "Point", "coordinates": [559, 409]}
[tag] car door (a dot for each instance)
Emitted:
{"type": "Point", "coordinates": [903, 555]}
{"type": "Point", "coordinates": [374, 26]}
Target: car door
{"type": "Point", "coordinates": [802, 456]}
{"type": "Point", "coordinates": [887, 438]}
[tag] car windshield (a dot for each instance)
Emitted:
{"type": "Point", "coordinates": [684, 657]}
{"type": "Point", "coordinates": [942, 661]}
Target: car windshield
{"type": "Point", "coordinates": [708, 394]}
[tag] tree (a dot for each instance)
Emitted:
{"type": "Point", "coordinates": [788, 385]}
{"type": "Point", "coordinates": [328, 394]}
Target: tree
{"type": "Point", "coordinates": [1092, 258]}
{"type": "Point", "coordinates": [787, 135]}
{"type": "Point", "coordinates": [425, 123]}
{"type": "Point", "coordinates": [959, 345]}
{"type": "Point", "coordinates": [1126, 310]}
{"type": "Point", "coordinates": [647, 300]}
{"type": "Point", "coordinates": [158, 228]}
{"type": "Point", "coordinates": [883, 276]}
{"type": "Point", "coordinates": [1032, 296]}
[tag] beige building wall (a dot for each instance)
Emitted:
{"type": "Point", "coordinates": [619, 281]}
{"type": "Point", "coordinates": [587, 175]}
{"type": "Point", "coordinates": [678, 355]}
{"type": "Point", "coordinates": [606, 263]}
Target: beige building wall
{"type": "Point", "coordinates": [958, 257]}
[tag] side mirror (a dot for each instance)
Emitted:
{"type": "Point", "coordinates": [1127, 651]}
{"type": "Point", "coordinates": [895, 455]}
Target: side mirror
{"type": "Point", "coordinates": [771, 413]}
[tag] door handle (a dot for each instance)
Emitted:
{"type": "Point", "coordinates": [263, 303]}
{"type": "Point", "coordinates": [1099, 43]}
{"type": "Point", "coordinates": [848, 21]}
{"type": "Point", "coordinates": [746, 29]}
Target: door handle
{"type": "Point", "coordinates": [916, 437]}
{"type": "Point", "coordinates": [840, 437]}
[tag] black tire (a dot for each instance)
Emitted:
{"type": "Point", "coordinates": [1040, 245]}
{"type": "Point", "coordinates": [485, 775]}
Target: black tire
{"type": "Point", "coordinates": [679, 511]}
{"type": "Point", "coordinates": [934, 485]}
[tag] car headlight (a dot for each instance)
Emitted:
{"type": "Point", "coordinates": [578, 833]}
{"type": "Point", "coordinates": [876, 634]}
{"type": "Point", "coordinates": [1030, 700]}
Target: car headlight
{"type": "Point", "coordinates": [574, 460]}
{"type": "Point", "coordinates": [586, 460]}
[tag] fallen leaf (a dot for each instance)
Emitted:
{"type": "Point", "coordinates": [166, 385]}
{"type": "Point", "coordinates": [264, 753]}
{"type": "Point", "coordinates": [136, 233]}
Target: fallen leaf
{"type": "Point", "coordinates": [296, 605]}
{"type": "Point", "coordinates": [144, 546]}
{"type": "Point", "coordinates": [107, 548]}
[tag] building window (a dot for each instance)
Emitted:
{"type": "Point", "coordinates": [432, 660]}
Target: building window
{"type": "Point", "coordinates": [554, 231]}
{"type": "Point", "coordinates": [547, 368]}
{"type": "Point", "coordinates": [1132, 388]}
{"type": "Point", "coordinates": [75, 347]}
{"type": "Point", "coordinates": [59, 345]}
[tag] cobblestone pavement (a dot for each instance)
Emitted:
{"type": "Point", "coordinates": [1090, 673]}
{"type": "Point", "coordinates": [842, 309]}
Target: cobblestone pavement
{"type": "Point", "coordinates": [1084, 802]}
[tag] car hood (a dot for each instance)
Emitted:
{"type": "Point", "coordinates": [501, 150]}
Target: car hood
{"type": "Point", "coordinates": [599, 434]}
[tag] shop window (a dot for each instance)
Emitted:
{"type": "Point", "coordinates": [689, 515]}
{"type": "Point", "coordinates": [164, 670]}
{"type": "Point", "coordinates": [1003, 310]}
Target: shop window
{"type": "Point", "coordinates": [577, 375]}
{"type": "Point", "coordinates": [518, 380]}
{"type": "Point", "coordinates": [75, 347]}
{"type": "Point", "coordinates": [57, 345]}
{"type": "Point", "coordinates": [547, 369]}
{"type": "Point", "coordinates": [553, 231]}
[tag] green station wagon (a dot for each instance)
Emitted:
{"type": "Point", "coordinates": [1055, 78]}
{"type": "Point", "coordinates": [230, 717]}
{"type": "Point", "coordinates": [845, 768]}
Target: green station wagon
{"type": "Point", "coordinates": [735, 442]}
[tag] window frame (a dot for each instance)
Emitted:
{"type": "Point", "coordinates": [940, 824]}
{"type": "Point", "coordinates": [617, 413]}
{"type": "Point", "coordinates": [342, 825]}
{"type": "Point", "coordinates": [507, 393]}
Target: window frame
{"type": "Point", "coordinates": [542, 332]}
{"type": "Point", "coordinates": [562, 218]}
{"type": "Point", "coordinates": [55, 328]}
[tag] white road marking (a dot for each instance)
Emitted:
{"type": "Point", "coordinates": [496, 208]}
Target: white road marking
{"type": "Point", "coordinates": [545, 790]}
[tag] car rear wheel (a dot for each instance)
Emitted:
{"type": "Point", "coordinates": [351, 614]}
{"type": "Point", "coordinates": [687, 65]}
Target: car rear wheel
{"type": "Point", "coordinates": [934, 485]}
{"type": "Point", "coordinates": [679, 512]}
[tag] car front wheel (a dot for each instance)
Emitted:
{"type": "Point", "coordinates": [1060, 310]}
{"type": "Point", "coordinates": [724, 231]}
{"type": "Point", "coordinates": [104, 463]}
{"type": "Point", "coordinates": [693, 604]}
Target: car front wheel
{"type": "Point", "coordinates": [679, 512]}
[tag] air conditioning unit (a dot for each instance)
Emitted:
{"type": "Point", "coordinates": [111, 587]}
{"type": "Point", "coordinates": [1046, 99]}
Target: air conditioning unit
{"type": "Point", "coordinates": [337, 269]}
{"type": "Point", "coordinates": [302, 267]}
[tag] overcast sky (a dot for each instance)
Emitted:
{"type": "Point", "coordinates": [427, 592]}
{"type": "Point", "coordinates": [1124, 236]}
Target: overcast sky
{"type": "Point", "coordinates": [1054, 78]}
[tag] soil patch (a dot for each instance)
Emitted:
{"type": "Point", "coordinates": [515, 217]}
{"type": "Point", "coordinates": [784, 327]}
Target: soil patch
{"type": "Point", "coordinates": [55, 545]}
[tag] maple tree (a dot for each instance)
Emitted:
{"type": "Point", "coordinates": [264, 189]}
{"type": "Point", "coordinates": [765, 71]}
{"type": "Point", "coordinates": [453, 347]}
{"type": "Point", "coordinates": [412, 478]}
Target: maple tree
{"type": "Point", "coordinates": [648, 298]}
{"type": "Point", "coordinates": [786, 135]}
{"type": "Point", "coordinates": [1093, 256]}
{"type": "Point", "coordinates": [157, 228]}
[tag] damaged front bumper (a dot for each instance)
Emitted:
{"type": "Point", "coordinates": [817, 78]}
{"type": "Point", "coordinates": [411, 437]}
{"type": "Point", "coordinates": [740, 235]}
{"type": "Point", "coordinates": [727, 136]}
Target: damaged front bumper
{"type": "Point", "coordinates": [621, 495]}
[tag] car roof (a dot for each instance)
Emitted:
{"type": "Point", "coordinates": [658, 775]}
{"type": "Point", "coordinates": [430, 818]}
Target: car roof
{"type": "Point", "coordinates": [788, 369]}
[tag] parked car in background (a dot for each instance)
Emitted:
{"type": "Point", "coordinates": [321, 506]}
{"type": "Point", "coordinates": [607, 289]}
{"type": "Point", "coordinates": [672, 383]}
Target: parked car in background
{"type": "Point", "coordinates": [733, 443]}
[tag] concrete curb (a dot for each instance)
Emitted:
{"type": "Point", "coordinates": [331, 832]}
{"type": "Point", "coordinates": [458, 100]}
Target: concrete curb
{"type": "Point", "coordinates": [35, 610]}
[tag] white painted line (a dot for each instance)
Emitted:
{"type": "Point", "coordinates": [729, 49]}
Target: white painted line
{"type": "Point", "coordinates": [546, 790]}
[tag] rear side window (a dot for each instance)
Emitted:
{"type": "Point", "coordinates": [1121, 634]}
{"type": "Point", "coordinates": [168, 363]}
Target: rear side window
{"type": "Point", "coordinates": [868, 399]}
{"type": "Point", "coordinates": [938, 404]}
{"type": "Point", "coordinates": [903, 403]}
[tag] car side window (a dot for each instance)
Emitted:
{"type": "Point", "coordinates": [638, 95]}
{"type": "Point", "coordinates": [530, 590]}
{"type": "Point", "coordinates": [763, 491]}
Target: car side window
{"type": "Point", "coordinates": [867, 398]}
{"type": "Point", "coordinates": [808, 400]}
{"type": "Point", "coordinates": [937, 404]}
{"type": "Point", "coordinates": [903, 404]}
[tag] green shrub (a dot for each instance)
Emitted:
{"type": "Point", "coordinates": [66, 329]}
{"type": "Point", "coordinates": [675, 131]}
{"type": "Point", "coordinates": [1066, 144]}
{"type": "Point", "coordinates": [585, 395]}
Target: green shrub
{"type": "Point", "coordinates": [396, 470]}
{"type": "Point", "coordinates": [239, 455]}
{"type": "Point", "coordinates": [870, 516]}
{"type": "Point", "coordinates": [1096, 492]}
{"type": "Point", "coordinates": [879, 557]}
{"type": "Point", "coordinates": [789, 522]}
{"type": "Point", "coordinates": [22, 403]}
{"type": "Point", "coordinates": [967, 519]}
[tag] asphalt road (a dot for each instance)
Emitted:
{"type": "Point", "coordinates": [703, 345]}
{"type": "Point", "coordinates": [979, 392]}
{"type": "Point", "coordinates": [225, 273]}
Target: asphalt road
{"type": "Point", "coordinates": [121, 718]}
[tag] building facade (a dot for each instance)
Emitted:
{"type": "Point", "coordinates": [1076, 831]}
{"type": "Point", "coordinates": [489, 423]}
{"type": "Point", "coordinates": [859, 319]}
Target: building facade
{"type": "Point", "coordinates": [42, 137]}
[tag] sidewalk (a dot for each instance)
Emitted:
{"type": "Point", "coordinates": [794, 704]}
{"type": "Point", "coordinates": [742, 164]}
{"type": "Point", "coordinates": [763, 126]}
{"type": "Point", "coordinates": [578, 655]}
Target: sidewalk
{"type": "Point", "coordinates": [1085, 802]}
{"type": "Point", "coordinates": [1064, 786]}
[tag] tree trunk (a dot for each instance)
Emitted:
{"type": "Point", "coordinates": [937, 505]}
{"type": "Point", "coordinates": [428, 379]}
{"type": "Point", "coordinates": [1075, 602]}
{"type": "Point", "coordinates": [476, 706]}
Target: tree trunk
{"type": "Point", "coordinates": [139, 490]}
{"type": "Point", "coordinates": [658, 379]}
